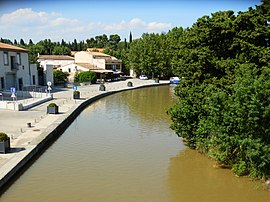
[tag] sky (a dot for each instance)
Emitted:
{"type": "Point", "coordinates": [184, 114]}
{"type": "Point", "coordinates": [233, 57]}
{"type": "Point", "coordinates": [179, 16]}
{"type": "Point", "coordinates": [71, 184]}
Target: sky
{"type": "Point", "coordinates": [82, 19]}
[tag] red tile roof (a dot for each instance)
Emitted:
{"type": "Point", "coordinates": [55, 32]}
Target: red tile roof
{"type": "Point", "coordinates": [8, 47]}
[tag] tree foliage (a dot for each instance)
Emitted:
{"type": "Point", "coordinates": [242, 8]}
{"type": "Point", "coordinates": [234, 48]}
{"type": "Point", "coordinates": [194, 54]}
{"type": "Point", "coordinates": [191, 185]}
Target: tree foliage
{"type": "Point", "coordinates": [224, 106]}
{"type": "Point", "coordinates": [59, 76]}
{"type": "Point", "coordinates": [149, 55]}
{"type": "Point", "coordinates": [88, 76]}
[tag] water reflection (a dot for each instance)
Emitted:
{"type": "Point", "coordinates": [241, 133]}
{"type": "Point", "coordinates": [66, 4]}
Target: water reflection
{"type": "Point", "coordinates": [197, 180]}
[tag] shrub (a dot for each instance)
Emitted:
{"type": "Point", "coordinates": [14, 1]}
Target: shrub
{"type": "Point", "coordinates": [3, 136]}
{"type": "Point", "coordinates": [59, 76]}
{"type": "Point", "coordinates": [52, 104]}
{"type": "Point", "coordinates": [102, 87]}
{"type": "Point", "coordinates": [88, 76]}
{"type": "Point", "coordinates": [240, 168]}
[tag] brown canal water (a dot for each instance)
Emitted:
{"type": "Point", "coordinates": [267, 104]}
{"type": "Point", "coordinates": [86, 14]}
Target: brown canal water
{"type": "Point", "coordinates": [121, 149]}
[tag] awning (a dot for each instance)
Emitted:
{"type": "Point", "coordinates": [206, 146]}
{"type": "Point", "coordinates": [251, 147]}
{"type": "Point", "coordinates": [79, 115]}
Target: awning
{"type": "Point", "coordinates": [117, 72]}
{"type": "Point", "coordinates": [102, 71]}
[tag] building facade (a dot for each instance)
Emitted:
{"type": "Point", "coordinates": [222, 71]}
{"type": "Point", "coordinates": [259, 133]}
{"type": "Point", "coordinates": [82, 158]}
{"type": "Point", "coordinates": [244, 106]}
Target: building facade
{"type": "Point", "coordinates": [99, 60]}
{"type": "Point", "coordinates": [55, 60]}
{"type": "Point", "coordinates": [15, 70]}
{"type": "Point", "coordinates": [105, 66]}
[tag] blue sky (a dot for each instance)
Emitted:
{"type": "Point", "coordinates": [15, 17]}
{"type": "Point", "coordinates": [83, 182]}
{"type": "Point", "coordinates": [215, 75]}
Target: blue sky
{"type": "Point", "coordinates": [82, 19]}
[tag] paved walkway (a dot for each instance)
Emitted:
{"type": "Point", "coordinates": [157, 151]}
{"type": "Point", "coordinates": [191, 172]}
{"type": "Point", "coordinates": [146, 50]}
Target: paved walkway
{"type": "Point", "coordinates": [24, 138]}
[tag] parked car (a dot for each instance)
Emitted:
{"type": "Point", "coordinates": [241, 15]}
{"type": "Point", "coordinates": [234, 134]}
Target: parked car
{"type": "Point", "coordinates": [174, 80]}
{"type": "Point", "coordinates": [143, 77]}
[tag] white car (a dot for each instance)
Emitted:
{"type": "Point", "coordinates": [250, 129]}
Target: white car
{"type": "Point", "coordinates": [143, 77]}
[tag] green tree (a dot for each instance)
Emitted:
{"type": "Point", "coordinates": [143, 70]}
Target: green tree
{"type": "Point", "coordinates": [59, 77]}
{"type": "Point", "coordinates": [47, 46]}
{"type": "Point", "coordinates": [91, 43]}
{"type": "Point", "coordinates": [114, 40]}
{"type": "Point", "coordinates": [61, 50]}
{"type": "Point", "coordinates": [88, 76]}
{"type": "Point", "coordinates": [223, 107]}
{"type": "Point", "coordinates": [148, 55]}
{"type": "Point", "coordinates": [30, 42]}
{"type": "Point", "coordinates": [130, 37]}
{"type": "Point", "coordinates": [22, 43]}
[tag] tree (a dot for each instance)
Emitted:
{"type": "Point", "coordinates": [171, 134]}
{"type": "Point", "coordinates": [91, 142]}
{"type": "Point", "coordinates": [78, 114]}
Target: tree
{"type": "Point", "coordinates": [88, 76]}
{"type": "Point", "coordinates": [22, 43]}
{"type": "Point", "coordinates": [59, 77]}
{"type": "Point", "coordinates": [130, 37]}
{"type": "Point", "coordinates": [223, 106]}
{"type": "Point", "coordinates": [6, 41]}
{"type": "Point", "coordinates": [91, 43]}
{"type": "Point", "coordinates": [30, 42]}
{"type": "Point", "coordinates": [148, 55]}
{"type": "Point", "coordinates": [47, 46]}
{"type": "Point", "coordinates": [114, 39]}
{"type": "Point", "coordinates": [75, 45]}
{"type": "Point", "coordinates": [61, 50]}
{"type": "Point", "coordinates": [63, 43]}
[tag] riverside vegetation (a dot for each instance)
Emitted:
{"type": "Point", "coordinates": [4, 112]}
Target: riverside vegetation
{"type": "Point", "coordinates": [224, 94]}
{"type": "Point", "coordinates": [224, 98]}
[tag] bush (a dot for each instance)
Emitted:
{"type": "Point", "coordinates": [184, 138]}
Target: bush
{"type": "Point", "coordinates": [52, 104]}
{"type": "Point", "coordinates": [59, 76]}
{"type": "Point", "coordinates": [88, 76]}
{"type": "Point", "coordinates": [240, 168]}
{"type": "Point", "coordinates": [3, 136]}
{"type": "Point", "coordinates": [102, 87]}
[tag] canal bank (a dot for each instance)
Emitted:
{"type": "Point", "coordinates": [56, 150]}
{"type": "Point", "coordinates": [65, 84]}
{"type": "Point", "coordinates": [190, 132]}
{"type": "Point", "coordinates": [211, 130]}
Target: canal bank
{"type": "Point", "coordinates": [29, 142]}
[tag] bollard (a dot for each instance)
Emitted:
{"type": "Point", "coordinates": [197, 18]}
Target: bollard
{"type": "Point", "coordinates": [29, 125]}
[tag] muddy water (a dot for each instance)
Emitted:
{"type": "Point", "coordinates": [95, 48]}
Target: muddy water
{"type": "Point", "coordinates": [121, 149]}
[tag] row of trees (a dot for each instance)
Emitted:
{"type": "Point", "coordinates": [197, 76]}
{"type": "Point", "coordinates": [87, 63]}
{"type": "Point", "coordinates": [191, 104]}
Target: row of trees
{"type": "Point", "coordinates": [47, 47]}
{"type": "Point", "coordinates": [224, 97]}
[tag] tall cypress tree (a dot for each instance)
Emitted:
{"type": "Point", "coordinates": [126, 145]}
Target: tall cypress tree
{"type": "Point", "coordinates": [30, 42]}
{"type": "Point", "coordinates": [22, 42]}
{"type": "Point", "coordinates": [130, 37]}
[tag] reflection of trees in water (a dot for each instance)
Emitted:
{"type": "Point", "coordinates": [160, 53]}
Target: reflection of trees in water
{"type": "Point", "coordinates": [192, 177]}
{"type": "Point", "coordinates": [143, 108]}
{"type": "Point", "coordinates": [151, 104]}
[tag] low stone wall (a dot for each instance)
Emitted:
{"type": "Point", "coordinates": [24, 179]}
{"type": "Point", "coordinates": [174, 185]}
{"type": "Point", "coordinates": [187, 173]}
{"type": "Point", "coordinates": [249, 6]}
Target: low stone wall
{"type": "Point", "coordinates": [11, 105]}
{"type": "Point", "coordinates": [26, 103]}
{"type": "Point", "coordinates": [37, 102]}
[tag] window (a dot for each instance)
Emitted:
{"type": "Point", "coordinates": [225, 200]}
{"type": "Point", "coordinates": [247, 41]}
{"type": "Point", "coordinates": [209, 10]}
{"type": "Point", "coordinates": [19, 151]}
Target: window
{"type": "Point", "coordinates": [5, 58]}
{"type": "Point", "coordinates": [2, 83]}
{"type": "Point", "coordinates": [34, 79]}
{"type": "Point", "coordinates": [18, 58]}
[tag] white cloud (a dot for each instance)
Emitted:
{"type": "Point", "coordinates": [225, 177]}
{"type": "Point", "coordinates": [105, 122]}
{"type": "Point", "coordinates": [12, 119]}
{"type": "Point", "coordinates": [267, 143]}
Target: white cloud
{"type": "Point", "coordinates": [26, 16]}
{"type": "Point", "coordinates": [38, 25]}
{"type": "Point", "coordinates": [137, 23]}
{"type": "Point", "coordinates": [63, 21]}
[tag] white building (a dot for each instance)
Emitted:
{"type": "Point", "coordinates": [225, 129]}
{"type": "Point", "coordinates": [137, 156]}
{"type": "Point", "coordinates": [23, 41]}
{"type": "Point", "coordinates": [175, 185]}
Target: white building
{"type": "Point", "coordinates": [56, 61]}
{"type": "Point", "coordinates": [99, 60]}
{"type": "Point", "coordinates": [15, 70]}
{"type": "Point", "coordinates": [104, 65]}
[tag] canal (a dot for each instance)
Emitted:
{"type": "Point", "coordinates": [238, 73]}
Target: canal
{"type": "Point", "coordinates": [121, 149]}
